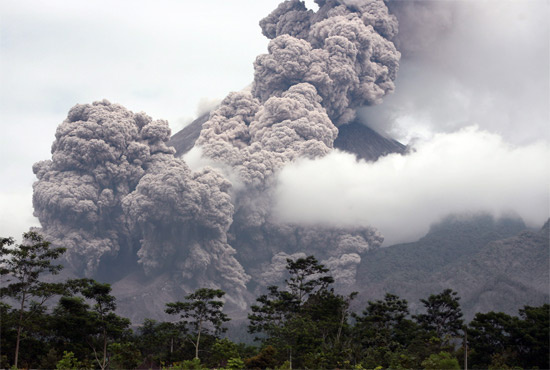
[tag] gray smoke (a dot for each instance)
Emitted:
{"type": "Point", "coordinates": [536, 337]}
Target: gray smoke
{"type": "Point", "coordinates": [183, 218]}
{"type": "Point", "coordinates": [100, 153]}
{"type": "Point", "coordinates": [344, 50]}
{"type": "Point", "coordinates": [113, 191]}
{"type": "Point", "coordinates": [320, 66]}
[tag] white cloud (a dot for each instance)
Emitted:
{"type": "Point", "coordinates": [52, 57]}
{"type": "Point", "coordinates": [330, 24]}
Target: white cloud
{"type": "Point", "coordinates": [465, 171]}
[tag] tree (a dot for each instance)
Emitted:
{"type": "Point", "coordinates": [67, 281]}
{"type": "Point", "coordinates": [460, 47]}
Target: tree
{"type": "Point", "coordinates": [383, 322]}
{"type": "Point", "coordinates": [202, 313]}
{"type": "Point", "coordinates": [307, 277]}
{"type": "Point", "coordinates": [82, 325]}
{"type": "Point", "coordinates": [24, 264]}
{"type": "Point", "coordinates": [441, 360]}
{"type": "Point", "coordinates": [443, 315]}
{"type": "Point", "coordinates": [493, 334]}
{"type": "Point", "coordinates": [305, 321]}
{"type": "Point", "coordinates": [383, 332]}
{"type": "Point", "coordinates": [534, 336]}
{"type": "Point", "coordinates": [158, 342]}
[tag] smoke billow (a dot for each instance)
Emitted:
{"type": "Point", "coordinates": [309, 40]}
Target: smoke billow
{"type": "Point", "coordinates": [113, 191]}
{"type": "Point", "coordinates": [344, 50]}
{"type": "Point", "coordinates": [100, 153]}
{"type": "Point", "coordinates": [115, 194]}
{"type": "Point", "coordinates": [320, 66]}
{"type": "Point", "coordinates": [465, 63]}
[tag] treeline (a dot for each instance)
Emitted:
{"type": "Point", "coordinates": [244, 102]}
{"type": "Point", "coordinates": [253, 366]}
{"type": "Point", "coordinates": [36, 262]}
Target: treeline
{"type": "Point", "coordinates": [304, 324]}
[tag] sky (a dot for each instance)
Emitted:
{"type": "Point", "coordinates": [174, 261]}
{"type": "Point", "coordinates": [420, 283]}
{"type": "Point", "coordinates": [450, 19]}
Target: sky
{"type": "Point", "coordinates": [471, 98]}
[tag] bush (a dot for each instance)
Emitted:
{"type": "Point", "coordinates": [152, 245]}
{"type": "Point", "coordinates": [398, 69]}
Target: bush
{"type": "Point", "coordinates": [441, 360]}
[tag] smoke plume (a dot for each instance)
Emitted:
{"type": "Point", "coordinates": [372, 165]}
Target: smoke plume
{"type": "Point", "coordinates": [113, 191]}
{"type": "Point", "coordinates": [100, 153]}
{"type": "Point", "coordinates": [320, 67]}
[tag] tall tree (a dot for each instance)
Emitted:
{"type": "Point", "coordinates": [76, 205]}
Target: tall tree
{"type": "Point", "coordinates": [443, 315]}
{"type": "Point", "coordinates": [384, 322]}
{"type": "Point", "coordinates": [22, 267]}
{"type": "Point", "coordinates": [305, 320]}
{"type": "Point", "coordinates": [307, 277]}
{"type": "Point", "coordinates": [493, 334]}
{"type": "Point", "coordinates": [96, 325]}
{"type": "Point", "coordinates": [202, 313]}
{"type": "Point", "coordinates": [534, 336]}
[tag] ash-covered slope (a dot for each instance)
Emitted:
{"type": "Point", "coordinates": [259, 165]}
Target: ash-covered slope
{"type": "Point", "coordinates": [184, 139]}
{"type": "Point", "coordinates": [493, 264]}
{"type": "Point", "coordinates": [353, 137]}
{"type": "Point", "coordinates": [365, 143]}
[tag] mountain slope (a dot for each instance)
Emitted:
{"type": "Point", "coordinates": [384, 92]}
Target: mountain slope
{"type": "Point", "coordinates": [492, 264]}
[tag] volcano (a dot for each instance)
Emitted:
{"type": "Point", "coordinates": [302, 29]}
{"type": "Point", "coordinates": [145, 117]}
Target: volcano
{"type": "Point", "coordinates": [354, 137]}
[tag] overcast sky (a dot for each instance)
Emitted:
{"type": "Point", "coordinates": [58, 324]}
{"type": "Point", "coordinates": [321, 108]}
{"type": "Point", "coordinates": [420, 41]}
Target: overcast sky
{"type": "Point", "coordinates": [479, 65]}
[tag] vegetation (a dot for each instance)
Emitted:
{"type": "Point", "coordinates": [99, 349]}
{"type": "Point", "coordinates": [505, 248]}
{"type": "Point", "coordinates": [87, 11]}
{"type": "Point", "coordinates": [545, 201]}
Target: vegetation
{"type": "Point", "coordinates": [303, 324]}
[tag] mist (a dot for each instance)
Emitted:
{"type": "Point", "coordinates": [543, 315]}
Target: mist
{"type": "Point", "coordinates": [463, 63]}
{"type": "Point", "coordinates": [470, 170]}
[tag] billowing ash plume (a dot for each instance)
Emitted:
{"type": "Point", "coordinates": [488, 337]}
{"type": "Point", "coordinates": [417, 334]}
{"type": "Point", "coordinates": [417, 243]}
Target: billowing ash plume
{"type": "Point", "coordinates": [344, 50]}
{"type": "Point", "coordinates": [100, 153]}
{"type": "Point", "coordinates": [183, 218]}
{"type": "Point", "coordinates": [320, 66]}
{"type": "Point", "coordinates": [113, 191]}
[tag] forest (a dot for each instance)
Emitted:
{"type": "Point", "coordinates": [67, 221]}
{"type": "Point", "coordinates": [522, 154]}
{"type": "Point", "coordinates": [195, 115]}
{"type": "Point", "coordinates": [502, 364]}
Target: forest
{"type": "Point", "coordinates": [304, 324]}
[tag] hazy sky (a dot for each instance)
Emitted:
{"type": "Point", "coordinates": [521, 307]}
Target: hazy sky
{"type": "Point", "coordinates": [482, 65]}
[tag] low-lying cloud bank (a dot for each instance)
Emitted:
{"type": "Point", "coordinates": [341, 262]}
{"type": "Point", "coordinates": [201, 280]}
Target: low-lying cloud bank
{"type": "Point", "coordinates": [469, 170]}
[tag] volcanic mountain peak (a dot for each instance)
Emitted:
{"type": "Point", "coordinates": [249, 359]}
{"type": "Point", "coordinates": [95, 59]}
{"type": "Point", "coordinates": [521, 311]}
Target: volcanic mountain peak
{"type": "Point", "coordinates": [354, 137]}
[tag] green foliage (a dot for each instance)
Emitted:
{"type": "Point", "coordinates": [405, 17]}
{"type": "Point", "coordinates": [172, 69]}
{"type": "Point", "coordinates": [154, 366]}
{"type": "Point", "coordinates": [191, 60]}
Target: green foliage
{"type": "Point", "coordinates": [194, 364]}
{"type": "Point", "coordinates": [235, 363]}
{"type": "Point", "coordinates": [307, 276]}
{"type": "Point", "coordinates": [443, 315]}
{"type": "Point", "coordinates": [159, 342]}
{"type": "Point", "coordinates": [86, 327]}
{"type": "Point", "coordinates": [222, 350]}
{"type": "Point", "coordinates": [124, 355]}
{"type": "Point", "coordinates": [284, 366]}
{"type": "Point", "coordinates": [384, 323]}
{"type": "Point", "coordinates": [21, 267]}
{"type": "Point", "coordinates": [306, 321]}
{"type": "Point", "coordinates": [202, 313]}
{"type": "Point", "coordinates": [491, 334]}
{"type": "Point", "coordinates": [534, 336]}
{"type": "Point", "coordinates": [304, 324]}
{"type": "Point", "coordinates": [69, 362]}
{"type": "Point", "coordinates": [439, 361]}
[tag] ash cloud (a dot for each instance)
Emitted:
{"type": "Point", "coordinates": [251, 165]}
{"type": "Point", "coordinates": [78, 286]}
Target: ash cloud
{"type": "Point", "coordinates": [320, 66]}
{"type": "Point", "coordinates": [344, 50]}
{"type": "Point", "coordinates": [100, 153]}
{"type": "Point", "coordinates": [113, 192]}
